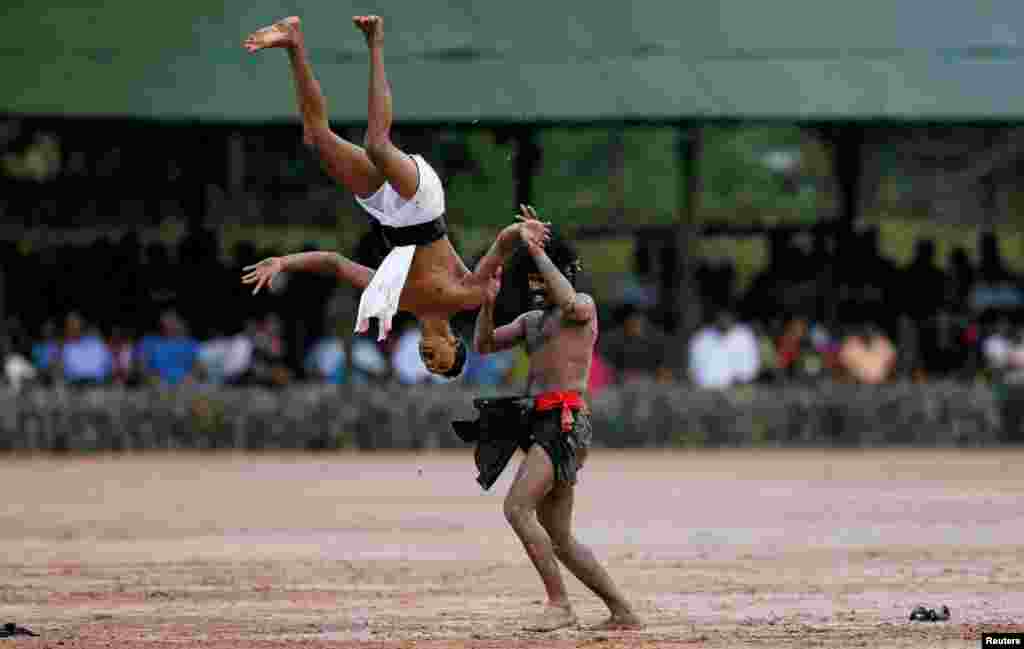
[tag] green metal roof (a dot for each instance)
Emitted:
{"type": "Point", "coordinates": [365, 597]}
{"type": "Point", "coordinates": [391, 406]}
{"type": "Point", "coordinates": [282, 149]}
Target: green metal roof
{"type": "Point", "coordinates": [460, 61]}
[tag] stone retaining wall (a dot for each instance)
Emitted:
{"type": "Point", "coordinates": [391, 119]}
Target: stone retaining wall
{"type": "Point", "coordinates": [327, 417]}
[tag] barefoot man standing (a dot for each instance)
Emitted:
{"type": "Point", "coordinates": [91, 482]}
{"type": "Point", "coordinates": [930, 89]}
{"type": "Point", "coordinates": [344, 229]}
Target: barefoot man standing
{"type": "Point", "coordinates": [422, 273]}
{"type": "Point", "coordinates": [559, 334]}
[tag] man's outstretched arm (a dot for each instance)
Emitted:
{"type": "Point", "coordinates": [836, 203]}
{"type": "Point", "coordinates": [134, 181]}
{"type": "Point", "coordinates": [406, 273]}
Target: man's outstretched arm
{"type": "Point", "coordinates": [505, 244]}
{"type": "Point", "coordinates": [327, 263]}
{"type": "Point", "coordinates": [488, 340]}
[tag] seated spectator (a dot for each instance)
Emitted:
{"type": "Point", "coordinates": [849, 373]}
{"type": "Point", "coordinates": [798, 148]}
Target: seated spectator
{"type": "Point", "coordinates": [602, 375]}
{"type": "Point", "coordinates": [637, 350]}
{"type": "Point", "coordinates": [739, 344]}
{"type": "Point", "coordinates": [944, 345]}
{"type": "Point", "coordinates": [84, 357]}
{"type": "Point", "coordinates": [867, 355]}
{"type": "Point", "coordinates": [805, 352]}
{"type": "Point", "coordinates": [270, 359]}
{"type": "Point", "coordinates": [996, 347]}
{"type": "Point", "coordinates": [170, 357]}
{"type": "Point", "coordinates": [790, 345]}
{"type": "Point", "coordinates": [824, 349]}
{"type": "Point", "coordinates": [326, 361]}
{"type": "Point", "coordinates": [45, 353]}
{"type": "Point", "coordinates": [369, 364]}
{"type": "Point", "coordinates": [18, 372]}
{"type": "Point", "coordinates": [225, 359]}
{"type": "Point", "coordinates": [122, 353]}
{"type": "Point", "coordinates": [1003, 351]}
{"type": "Point", "coordinates": [766, 352]}
{"type": "Point", "coordinates": [1014, 369]}
{"type": "Point", "coordinates": [490, 370]}
{"type": "Point", "coordinates": [1010, 394]}
{"type": "Point", "coordinates": [708, 362]}
{"type": "Point", "coordinates": [15, 350]}
{"type": "Point", "coordinates": [908, 353]}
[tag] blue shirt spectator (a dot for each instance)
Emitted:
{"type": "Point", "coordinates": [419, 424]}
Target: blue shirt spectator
{"type": "Point", "coordinates": [45, 351]}
{"type": "Point", "coordinates": [488, 369]}
{"type": "Point", "coordinates": [172, 355]}
{"type": "Point", "coordinates": [326, 361]}
{"type": "Point", "coordinates": [83, 358]}
{"type": "Point", "coordinates": [86, 360]}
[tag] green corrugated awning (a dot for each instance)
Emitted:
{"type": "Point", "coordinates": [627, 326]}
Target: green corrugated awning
{"type": "Point", "coordinates": [461, 61]}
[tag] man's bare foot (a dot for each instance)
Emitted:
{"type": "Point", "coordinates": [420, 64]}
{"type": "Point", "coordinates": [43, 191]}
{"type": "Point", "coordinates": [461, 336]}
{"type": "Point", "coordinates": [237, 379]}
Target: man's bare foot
{"type": "Point", "coordinates": [620, 622]}
{"type": "Point", "coordinates": [372, 28]}
{"type": "Point", "coordinates": [553, 617]}
{"type": "Point", "coordinates": [283, 33]}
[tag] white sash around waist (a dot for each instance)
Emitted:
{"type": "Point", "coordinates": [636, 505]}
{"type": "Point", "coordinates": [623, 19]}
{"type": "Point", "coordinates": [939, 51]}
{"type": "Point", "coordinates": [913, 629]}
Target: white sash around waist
{"type": "Point", "coordinates": [380, 298]}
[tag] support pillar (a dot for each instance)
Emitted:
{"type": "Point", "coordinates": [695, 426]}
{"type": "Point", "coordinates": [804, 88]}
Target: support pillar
{"type": "Point", "coordinates": [526, 160]}
{"type": "Point", "coordinates": [848, 162]}
{"type": "Point", "coordinates": [679, 296]}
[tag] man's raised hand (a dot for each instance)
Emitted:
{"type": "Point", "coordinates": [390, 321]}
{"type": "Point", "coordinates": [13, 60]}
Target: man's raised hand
{"type": "Point", "coordinates": [372, 28]}
{"type": "Point", "coordinates": [263, 273]}
{"type": "Point", "coordinates": [534, 232]}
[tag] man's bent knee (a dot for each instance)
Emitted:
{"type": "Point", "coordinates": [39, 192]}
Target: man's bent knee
{"type": "Point", "coordinates": [562, 545]}
{"type": "Point", "coordinates": [378, 149]}
{"type": "Point", "coordinates": [517, 513]}
{"type": "Point", "coordinates": [316, 136]}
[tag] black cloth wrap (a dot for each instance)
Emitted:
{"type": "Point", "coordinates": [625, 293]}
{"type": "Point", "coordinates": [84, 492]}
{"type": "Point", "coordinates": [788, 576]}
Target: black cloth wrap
{"type": "Point", "coordinates": [507, 423]}
{"type": "Point", "coordinates": [412, 235]}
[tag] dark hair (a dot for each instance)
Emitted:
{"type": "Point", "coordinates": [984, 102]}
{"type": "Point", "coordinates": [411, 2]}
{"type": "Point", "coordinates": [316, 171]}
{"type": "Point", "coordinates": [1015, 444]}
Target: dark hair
{"type": "Point", "coordinates": [514, 297]}
{"type": "Point", "coordinates": [460, 360]}
{"type": "Point", "coordinates": [561, 253]}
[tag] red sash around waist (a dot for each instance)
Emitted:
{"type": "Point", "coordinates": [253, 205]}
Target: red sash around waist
{"type": "Point", "coordinates": [567, 400]}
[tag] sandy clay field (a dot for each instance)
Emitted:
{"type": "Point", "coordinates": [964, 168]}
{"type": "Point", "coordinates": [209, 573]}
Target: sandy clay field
{"type": "Point", "coordinates": [717, 549]}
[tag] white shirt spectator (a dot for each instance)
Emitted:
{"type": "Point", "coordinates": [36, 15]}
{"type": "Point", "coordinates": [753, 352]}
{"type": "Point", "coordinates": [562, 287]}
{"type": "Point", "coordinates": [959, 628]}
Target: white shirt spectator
{"type": "Point", "coordinates": [18, 371]}
{"type": "Point", "coordinates": [327, 359]}
{"type": "Point", "coordinates": [996, 349]}
{"type": "Point", "coordinates": [226, 358]}
{"type": "Point", "coordinates": [742, 353]}
{"type": "Point", "coordinates": [709, 362]}
{"type": "Point", "coordinates": [406, 361]}
{"type": "Point", "coordinates": [367, 359]}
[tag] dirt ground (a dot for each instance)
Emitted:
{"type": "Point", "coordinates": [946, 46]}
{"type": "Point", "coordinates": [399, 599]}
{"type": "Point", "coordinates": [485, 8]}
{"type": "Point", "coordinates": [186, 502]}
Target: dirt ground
{"type": "Point", "coordinates": [717, 549]}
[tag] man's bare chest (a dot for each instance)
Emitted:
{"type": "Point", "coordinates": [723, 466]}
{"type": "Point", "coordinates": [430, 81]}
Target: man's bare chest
{"type": "Point", "coordinates": [542, 331]}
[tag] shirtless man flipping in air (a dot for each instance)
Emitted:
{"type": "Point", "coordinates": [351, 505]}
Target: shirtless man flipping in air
{"type": "Point", "coordinates": [422, 274]}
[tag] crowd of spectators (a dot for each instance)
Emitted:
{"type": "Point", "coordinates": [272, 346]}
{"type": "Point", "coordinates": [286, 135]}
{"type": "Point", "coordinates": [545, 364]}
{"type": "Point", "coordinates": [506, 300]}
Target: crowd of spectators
{"type": "Point", "coordinates": [850, 315]}
{"type": "Point", "coordinates": [134, 315]}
